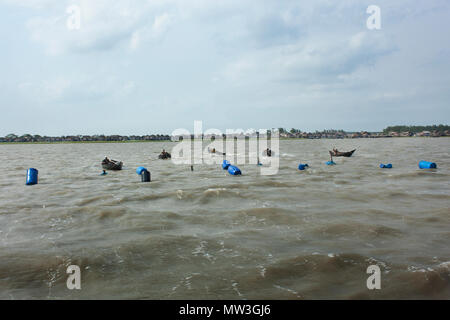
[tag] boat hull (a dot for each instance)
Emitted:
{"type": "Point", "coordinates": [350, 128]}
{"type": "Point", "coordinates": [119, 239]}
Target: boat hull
{"type": "Point", "coordinates": [166, 157]}
{"type": "Point", "coordinates": [112, 166]}
{"type": "Point", "coordinates": [342, 154]}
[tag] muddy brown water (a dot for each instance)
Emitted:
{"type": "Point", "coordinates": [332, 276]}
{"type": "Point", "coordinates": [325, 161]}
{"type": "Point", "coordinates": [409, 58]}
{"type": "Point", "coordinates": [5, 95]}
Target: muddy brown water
{"type": "Point", "coordinates": [209, 235]}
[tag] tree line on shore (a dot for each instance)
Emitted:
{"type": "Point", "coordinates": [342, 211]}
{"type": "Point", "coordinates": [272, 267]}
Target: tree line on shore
{"type": "Point", "coordinates": [83, 138]}
{"type": "Point", "coordinates": [391, 131]}
{"type": "Point", "coordinates": [417, 129]}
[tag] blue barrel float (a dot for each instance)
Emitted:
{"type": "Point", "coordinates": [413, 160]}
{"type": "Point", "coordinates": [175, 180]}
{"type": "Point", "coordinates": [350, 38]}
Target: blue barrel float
{"type": "Point", "coordinates": [140, 170]}
{"type": "Point", "coordinates": [302, 166]}
{"type": "Point", "coordinates": [225, 164]}
{"type": "Point", "coordinates": [32, 176]}
{"type": "Point", "coordinates": [386, 166]}
{"type": "Point", "coordinates": [330, 163]}
{"type": "Point", "coordinates": [233, 170]}
{"type": "Point", "coordinates": [144, 173]}
{"type": "Point", "coordinates": [427, 165]}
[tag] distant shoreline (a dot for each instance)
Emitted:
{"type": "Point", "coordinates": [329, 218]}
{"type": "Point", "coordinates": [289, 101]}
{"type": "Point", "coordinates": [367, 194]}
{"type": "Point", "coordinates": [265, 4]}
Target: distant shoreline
{"type": "Point", "coordinates": [81, 142]}
{"type": "Point", "coordinates": [389, 132]}
{"type": "Point", "coordinates": [208, 140]}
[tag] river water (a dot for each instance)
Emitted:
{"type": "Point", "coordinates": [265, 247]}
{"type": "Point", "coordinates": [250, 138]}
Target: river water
{"type": "Point", "coordinates": [205, 234]}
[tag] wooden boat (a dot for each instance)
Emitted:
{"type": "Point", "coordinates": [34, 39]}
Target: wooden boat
{"type": "Point", "coordinates": [112, 165]}
{"type": "Point", "coordinates": [164, 156]}
{"type": "Point", "coordinates": [342, 154]}
{"type": "Point", "coordinates": [215, 151]}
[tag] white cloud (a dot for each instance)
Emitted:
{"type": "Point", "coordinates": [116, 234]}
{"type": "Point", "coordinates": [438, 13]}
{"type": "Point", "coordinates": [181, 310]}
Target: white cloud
{"type": "Point", "coordinates": [150, 32]}
{"type": "Point", "coordinates": [357, 40]}
{"type": "Point", "coordinates": [35, 4]}
{"type": "Point", "coordinates": [135, 40]}
{"type": "Point", "coordinates": [104, 25]}
{"type": "Point", "coordinates": [161, 23]}
{"type": "Point", "coordinates": [75, 88]}
{"type": "Point", "coordinates": [308, 60]}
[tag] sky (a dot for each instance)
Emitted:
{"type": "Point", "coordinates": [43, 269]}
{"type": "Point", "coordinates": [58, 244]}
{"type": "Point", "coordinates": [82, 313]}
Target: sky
{"type": "Point", "coordinates": [142, 67]}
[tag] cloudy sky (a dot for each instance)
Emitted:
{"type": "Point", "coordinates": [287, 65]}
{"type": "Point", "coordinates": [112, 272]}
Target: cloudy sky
{"type": "Point", "coordinates": [151, 66]}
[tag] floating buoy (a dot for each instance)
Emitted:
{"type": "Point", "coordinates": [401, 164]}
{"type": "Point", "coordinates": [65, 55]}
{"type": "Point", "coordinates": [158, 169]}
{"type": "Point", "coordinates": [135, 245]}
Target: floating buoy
{"type": "Point", "coordinates": [386, 166]}
{"type": "Point", "coordinates": [330, 163]}
{"type": "Point", "coordinates": [302, 166]}
{"type": "Point", "coordinates": [145, 176]}
{"type": "Point", "coordinates": [140, 170]}
{"type": "Point", "coordinates": [235, 171]}
{"type": "Point", "coordinates": [427, 165]}
{"type": "Point", "coordinates": [144, 173]}
{"type": "Point", "coordinates": [225, 164]}
{"type": "Point", "coordinates": [32, 177]}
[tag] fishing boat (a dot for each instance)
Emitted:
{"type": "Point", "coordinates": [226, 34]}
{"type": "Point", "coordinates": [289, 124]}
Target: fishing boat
{"type": "Point", "coordinates": [164, 156]}
{"type": "Point", "coordinates": [111, 164]}
{"type": "Point", "coordinates": [215, 151]}
{"type": "Point", "coordinates": [342, 154]}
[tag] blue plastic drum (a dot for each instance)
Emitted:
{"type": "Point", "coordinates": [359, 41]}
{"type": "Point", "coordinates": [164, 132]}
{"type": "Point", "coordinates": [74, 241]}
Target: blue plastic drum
{"type": "Point", "coordinates": [302, 166]}
{"type": "Point", "coordinates": [235, 171]}
{"type": "Point", "coordinates": [32, 177]}
{"type": "Point", "coordinates": [140, 170]}
{"type": "Point", "coordinates": [427, 165]}
{"type": "Point", "coordinates": [225, 164]}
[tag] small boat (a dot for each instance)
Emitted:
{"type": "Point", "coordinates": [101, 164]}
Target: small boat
{"type": "Point", "coordinates": [112, 164]}
{"type": "Point", "coordinates": [342, 154]}
{"type": "Point", "coordinates": [164, 156]}
{"type": "Point", "coordinates": [215, 151]}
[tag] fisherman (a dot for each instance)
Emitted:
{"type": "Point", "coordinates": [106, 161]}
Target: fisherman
{"type": "Point", "coordinates": [164, 155]}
